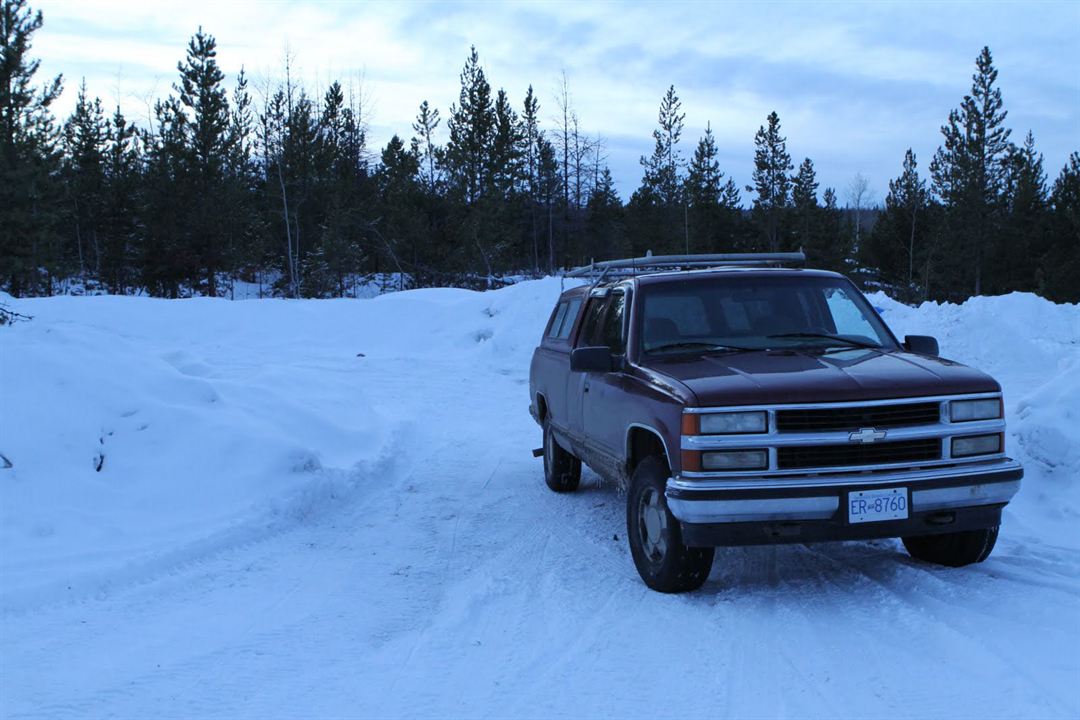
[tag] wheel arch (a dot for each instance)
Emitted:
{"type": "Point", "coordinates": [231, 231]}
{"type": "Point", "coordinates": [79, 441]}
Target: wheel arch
{"type": "Point", "coordinates": [541, 407]}
{"type": "Point", "coordinates": [643, 441]}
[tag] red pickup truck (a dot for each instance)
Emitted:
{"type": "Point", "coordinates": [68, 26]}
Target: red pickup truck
{"type": "Point", "coordinates": [742, 403]}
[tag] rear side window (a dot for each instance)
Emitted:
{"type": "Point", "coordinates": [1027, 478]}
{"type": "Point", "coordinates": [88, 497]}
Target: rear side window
{"type": "Point", "coordinates": [563, 322]}
{"type": "Point", "coordinates": [572, 308]}
{"type": "Point", "coordinates": [556, 324]}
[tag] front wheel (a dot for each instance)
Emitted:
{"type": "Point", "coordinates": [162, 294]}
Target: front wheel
{"type": "Point", "coordinates": [953, 549]}
{"type": "Point", "coordinates": [562, 471]}
{"type": "Point", "coordinates": [663, 562]}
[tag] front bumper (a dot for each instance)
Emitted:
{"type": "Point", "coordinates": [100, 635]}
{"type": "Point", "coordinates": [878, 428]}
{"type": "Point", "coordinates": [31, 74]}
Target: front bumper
{"type": "Point", "coordinates": [810, 508]}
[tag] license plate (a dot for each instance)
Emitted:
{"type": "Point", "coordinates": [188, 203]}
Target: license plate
{"type": "Point", "coordinates": [877, 505]}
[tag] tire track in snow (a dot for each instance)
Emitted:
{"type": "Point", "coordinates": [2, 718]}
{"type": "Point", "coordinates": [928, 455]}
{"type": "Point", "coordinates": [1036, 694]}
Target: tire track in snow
{"type": "Point", "coordinates": [919, 606]}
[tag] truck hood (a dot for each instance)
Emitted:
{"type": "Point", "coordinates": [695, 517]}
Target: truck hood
{"type": "Point", "coordinates": [770, 377]}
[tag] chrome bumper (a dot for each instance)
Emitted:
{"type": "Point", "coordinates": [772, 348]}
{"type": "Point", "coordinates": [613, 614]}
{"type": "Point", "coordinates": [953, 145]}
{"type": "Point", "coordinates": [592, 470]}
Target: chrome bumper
{"type": "Point", "coordinates": [819, 497]}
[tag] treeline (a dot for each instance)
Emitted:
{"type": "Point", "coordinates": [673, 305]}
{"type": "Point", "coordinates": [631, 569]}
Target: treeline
{"type": "Point", "coordinates": [227, 184]}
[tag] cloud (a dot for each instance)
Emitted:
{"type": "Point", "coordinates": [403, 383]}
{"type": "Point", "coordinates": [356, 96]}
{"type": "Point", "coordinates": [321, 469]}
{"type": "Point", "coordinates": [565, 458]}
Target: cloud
{"type": "Point", "coordinates": [855, 85]}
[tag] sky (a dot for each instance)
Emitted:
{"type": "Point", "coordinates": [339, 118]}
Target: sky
{"type": "Point", "coordinates": [854, 84]}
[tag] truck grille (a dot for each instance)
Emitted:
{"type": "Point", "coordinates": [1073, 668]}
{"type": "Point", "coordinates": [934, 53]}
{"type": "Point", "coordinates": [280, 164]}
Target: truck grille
{"type": "Point", "coordinates": [854, 418]}
{"type": "Point", "coordinates": [812, 456]}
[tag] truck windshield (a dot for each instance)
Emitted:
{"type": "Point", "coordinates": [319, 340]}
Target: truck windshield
{"type": "Point", "coordinates": [757, 313]}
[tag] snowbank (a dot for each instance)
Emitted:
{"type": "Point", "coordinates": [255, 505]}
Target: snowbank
{"type": "Point", "coordinates": [144, 433]}
{"type": "Point", "coordinates": [1032, 347]}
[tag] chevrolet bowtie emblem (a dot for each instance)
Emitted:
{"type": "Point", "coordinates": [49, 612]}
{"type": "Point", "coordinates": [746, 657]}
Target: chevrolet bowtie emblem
{"type": "Point", "coordinates": [868, 435]}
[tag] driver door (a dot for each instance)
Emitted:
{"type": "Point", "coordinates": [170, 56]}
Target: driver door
{"type": "Point", "coordinates": [603, 392]}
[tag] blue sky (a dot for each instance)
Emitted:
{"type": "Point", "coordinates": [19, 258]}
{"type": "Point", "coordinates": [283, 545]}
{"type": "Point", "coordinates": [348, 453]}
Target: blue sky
{"type": "Point", "coordinates": [854, 84]}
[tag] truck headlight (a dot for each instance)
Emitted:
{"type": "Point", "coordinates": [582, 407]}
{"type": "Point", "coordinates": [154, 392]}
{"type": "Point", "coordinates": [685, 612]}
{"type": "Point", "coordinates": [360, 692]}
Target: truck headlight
{"type": "Point", "coordinates": [733, 423]}
{"type": "Point", "coordinates": [976, 445]}
{"type": "Point", "coordinates": [735, 460]}
{"type": "Point", "coordinates": [968, 410]}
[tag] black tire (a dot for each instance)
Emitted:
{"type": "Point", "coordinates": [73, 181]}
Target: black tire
{"type": "Point", "coordinates": [655, 536]}
{"type": "Point", "coordinates": [953, 549]}
{"type": "Point", "coordinates": [562, 471]}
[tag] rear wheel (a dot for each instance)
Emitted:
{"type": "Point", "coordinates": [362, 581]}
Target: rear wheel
{"type": "Point", "coordinates": [663, 562]}
{"type": "Point", "coordinates": [562, 471]}
{"type": "Point", "coordinates": [953, 549]}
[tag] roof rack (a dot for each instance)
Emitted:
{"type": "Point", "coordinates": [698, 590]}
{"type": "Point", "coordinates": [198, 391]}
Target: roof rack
{"type": "Point", "coordinates": [652, 263]}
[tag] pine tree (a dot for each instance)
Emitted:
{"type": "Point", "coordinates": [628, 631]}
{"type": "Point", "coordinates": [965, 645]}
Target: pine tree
{"type": "Point", "coordinates": [1023, 238]}
{"type": "Point", "coordinates": [30, 197]}
{"type": "Point", "coordinates": [402, 229]}
{"type": "Point", "coordinates": [969, 171]}
{"type": "Point", "coordinates": [804, 186]}
{"type": "Point", "coordinates": [549, 183]}
{"type": "Point", "coordinates": [703, 174]}
{"type": "Point", "coordinates": [1061, 264]}
{"type": "Point", "coordinates": [507, 150]}
{"type": "Point", "coordinates": [244, 247]}
{"type": "Point", "coordinates": [472, 129]}
{"type": "Point", "coordinates": [713, 213]}
{"type": "Point", "coordinates": [84, 146]}
{"type": "Point", "coordinates": [605, 228]}
{"type": "Point", "coordinates": [897, 243]}
{"type": "Point", "coordinates": [120, 225]}
{"type": "Point", "coordinates": [662, 169]}
{"type": "Point", "coordinates": [204, 100]}
{"type": "Point", "coordinates": [424, 147]}
{"type": "Point", "coordinates": [189, 161]}
{"type": "Point", "coordinates": [531, 137]}
{"type": "Point", "coordinates": [658, 218]}
{"type": "Point", "coordinates": [772, 163]}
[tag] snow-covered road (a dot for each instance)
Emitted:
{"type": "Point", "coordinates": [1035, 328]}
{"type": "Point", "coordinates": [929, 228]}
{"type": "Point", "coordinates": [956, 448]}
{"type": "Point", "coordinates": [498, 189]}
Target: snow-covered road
{"type": "Point", "coordinates": [315, 534]}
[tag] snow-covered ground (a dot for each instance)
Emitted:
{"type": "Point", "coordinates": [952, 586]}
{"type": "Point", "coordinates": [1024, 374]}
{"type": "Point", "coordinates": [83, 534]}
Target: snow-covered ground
{"type": "Point", "coordinates": [329, 508]}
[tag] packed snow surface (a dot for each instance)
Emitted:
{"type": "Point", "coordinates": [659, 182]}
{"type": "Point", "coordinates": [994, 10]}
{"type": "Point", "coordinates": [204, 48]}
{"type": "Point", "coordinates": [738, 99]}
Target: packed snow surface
{"type": "Point", "coordinates": [279, 508]}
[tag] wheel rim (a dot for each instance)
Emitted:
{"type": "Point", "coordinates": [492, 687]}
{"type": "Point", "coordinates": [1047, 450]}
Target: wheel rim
{"type": "Point", "coordinates": [652, 525]}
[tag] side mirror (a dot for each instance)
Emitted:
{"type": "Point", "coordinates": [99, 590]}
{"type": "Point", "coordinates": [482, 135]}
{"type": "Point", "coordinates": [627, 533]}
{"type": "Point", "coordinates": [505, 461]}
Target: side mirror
{"type": "Point", "coordinates": [921, 344]}
{"type": "Point", "coordinates": [591, 359]}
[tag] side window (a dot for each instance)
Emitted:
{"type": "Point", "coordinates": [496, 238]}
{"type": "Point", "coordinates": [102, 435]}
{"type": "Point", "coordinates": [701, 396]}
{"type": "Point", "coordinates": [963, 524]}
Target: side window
{"type": "Point", "coordinates": [613, 324]}
{"type": "Point", "coordinates": [568, 321]}
{"type": "Point", "coordinates": [591, 330]}
{"type": "Point", "coordinates": [557, 321]}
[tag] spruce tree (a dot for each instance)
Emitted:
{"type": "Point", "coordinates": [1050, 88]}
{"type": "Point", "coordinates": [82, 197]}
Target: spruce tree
{"type": "Point", "coordinates": [772, 163]}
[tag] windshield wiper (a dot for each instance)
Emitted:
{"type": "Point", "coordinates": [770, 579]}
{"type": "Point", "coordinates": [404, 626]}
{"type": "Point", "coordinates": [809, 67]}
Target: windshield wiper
{"type": "Point", "coordinates": [700, 346]}
{"type": "Point", "coordinates": [827, 336]}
